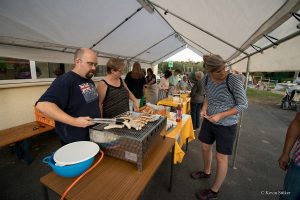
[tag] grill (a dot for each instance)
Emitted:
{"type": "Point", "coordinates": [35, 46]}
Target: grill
{"type": "Point", "coordinates": [128, 144]}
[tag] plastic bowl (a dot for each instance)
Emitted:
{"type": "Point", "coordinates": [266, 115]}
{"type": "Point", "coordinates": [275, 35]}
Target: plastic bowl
{"type": "Point", "coordinates": [69, 171]}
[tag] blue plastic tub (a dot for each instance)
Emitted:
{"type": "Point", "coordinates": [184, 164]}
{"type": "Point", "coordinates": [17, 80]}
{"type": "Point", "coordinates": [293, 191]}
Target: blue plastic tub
{"type": "Point", "coordinates": [69, 171]}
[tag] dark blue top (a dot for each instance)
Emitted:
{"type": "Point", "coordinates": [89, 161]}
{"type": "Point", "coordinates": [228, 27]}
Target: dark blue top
{"type": "Point", "coordinates": [77, 97]}
{"type": "Point", "coordinates": [135, 85]}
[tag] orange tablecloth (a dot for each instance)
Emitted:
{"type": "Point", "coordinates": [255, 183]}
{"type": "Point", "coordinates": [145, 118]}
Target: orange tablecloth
{"type": "Point", "coordinates": [181, 132]}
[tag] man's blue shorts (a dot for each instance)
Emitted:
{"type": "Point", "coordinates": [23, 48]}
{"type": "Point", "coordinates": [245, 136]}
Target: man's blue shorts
{"type": "Point", "coordinates": [223, 135]}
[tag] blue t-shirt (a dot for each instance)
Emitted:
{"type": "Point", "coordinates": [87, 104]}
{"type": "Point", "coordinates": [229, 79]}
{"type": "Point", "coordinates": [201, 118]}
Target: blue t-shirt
{"type": "Point", "coordinates": [77, 97]}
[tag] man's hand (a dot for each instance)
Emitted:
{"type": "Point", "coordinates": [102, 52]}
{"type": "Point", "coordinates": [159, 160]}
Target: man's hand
{"type": "Point", "coordinates": [283, 161]}
{"type": "Point", "coordinates": [83, 122]}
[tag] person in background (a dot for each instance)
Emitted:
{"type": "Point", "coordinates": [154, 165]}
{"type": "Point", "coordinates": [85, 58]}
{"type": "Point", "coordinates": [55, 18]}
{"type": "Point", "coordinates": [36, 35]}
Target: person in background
{"type": "Point", "coordinates": [291, 185]}
{"type": "Point", "coordinates": [72, 99]}
{"type": "Point", "coordinates": [151, 87]}
{"type": "Point", "coordinates": [220, 112]}
{"type": "Point", "coordinates": [183, 84]}
{"type": "Point", "coordinates": [197, 98]}
{"type": "Point", "coordinates": [250, 80]}
{"type": "Point", "coordinates": [144, 72]}
{"type": "Point", "coordinates": [135, 81]}
{"type": "Point", "coordinates": [113, 92]}
{"type": "Point", "coordinates": [163, 86]}
{"type": "Point", "coordinates": [173, 80]}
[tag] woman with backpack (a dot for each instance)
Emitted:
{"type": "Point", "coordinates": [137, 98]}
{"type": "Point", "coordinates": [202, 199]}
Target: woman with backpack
{"type": "Point", "coordinates": [225, 99]}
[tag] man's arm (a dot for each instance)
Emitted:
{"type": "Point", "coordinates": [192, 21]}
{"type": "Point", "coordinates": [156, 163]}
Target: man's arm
{"type": "Point", "coordinates": [53, 111]}
{"type": "Point", "coordinates": [293, 133]}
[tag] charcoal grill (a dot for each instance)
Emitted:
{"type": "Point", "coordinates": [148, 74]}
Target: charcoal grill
{"type": "Point", "coordinates": [128, 144]}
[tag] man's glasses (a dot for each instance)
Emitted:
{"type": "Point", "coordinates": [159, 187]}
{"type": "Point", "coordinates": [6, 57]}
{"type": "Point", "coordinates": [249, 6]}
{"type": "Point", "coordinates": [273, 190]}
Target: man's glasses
{"type": "Point", "coordinates": [91, 64]}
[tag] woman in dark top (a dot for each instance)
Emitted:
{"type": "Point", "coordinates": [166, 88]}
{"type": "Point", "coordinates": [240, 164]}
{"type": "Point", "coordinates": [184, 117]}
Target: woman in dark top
{"type": "Point", "coordinates": [113, 92]}
{"type": "Point", "coordinates": [135, 81]}
{"type": "Point", "coordinates": [151, 87]}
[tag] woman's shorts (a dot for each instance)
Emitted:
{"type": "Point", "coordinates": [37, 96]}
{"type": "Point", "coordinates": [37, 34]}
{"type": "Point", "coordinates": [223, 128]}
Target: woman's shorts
{"type": "Point", "coordinates": [223, 135]}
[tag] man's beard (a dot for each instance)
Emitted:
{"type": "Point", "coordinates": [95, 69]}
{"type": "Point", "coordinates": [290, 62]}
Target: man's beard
{"type": "Point", "coordinates": [89, 75]}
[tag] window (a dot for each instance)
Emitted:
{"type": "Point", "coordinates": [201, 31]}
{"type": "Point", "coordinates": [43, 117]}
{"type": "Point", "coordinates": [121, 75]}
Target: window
{"type": "Point", "coordinates": [12, 68]}
{"type": "Point", "coordinates": [51, 70]}
{"type": "Point", "coordinates": [100, 70]}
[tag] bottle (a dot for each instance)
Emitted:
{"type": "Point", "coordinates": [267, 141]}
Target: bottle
{"type": "Point", "coordinates": [178, 112]}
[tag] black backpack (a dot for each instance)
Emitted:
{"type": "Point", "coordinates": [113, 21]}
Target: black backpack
{"type": "Point", "coordinates": [227, 85]}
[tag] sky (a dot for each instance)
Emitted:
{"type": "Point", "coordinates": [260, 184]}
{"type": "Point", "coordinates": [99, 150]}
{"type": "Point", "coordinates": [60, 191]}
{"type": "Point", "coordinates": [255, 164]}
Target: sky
{"type": "Point", "coordinates": [185, 55]}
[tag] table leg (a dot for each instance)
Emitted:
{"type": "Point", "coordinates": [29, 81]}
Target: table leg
{"type": "Point", "coordinates": [172, 164]}
{"type": "Point", "coordinates": [45, 192]}
{"type": "Point", "coordinates": [22, 151]}
{"type": "Point", "coordinates": [186, 144]}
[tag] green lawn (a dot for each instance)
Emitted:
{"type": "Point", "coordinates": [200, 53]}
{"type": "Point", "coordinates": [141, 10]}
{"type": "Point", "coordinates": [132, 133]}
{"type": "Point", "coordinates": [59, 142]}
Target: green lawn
{"type": "Point", "coordinates": [266, 97]}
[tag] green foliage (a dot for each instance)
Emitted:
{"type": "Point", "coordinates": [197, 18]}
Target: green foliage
{"type": "Point", "coordinates": [182, 66]}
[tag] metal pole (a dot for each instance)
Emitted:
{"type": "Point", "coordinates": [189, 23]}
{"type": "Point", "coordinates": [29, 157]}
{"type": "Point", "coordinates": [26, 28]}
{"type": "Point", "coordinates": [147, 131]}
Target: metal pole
{"type": "Point", "coordinates": [239, 125]}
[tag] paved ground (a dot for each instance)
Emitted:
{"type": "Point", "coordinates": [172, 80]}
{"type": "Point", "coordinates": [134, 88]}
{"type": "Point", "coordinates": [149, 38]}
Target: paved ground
{"type": "Point", "coordinates": [257, 173]}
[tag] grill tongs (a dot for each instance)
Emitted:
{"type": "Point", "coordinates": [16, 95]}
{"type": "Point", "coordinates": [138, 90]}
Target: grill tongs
{"type": "Point", "coordinates": [108, 121]}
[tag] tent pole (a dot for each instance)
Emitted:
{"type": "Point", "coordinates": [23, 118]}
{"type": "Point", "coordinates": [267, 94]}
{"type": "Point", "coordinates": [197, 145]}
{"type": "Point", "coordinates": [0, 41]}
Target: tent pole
{"type": "Point", "coordinates": [239, 125]}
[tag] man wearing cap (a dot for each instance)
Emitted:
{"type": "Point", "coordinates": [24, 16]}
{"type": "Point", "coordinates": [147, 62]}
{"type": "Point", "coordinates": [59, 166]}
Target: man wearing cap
{"type": "Point", "coordinates": [225, 99]}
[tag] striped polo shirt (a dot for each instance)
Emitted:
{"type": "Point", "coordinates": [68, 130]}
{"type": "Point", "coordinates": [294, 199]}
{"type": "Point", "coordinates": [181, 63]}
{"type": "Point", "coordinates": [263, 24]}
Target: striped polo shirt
{"type": "Point", "coordinates": [296, 156]}
{"type": "Point", "coordinates": [220, 99]}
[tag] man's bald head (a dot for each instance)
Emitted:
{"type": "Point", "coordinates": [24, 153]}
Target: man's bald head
{"type": "Point", "coordinates": [79, 53]}
{"type": "Point", "coordinates": [85, 60]}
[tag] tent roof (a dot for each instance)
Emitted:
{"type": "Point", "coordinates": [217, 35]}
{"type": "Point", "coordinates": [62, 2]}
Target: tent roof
{"type": "Point", "coordinates": [126, 29]}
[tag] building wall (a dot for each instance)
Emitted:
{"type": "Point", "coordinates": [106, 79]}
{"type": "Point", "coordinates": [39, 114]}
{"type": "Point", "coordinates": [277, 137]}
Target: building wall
{"type": "Point", "coordinates": [17, 103]}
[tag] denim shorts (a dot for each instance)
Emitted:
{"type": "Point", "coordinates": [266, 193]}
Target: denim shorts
{"type": "Point", "coordinates": [291, 187]}
{"type": "Point", "coordinates": [223, 135]}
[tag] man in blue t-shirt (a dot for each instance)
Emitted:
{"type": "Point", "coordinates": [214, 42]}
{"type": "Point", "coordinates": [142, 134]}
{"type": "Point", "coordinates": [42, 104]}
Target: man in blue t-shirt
{"type": "Point", "coordinates": [72, 99]}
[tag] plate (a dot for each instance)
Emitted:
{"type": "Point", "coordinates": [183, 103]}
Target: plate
{"type": "Point", "coordinates": [75, 152]}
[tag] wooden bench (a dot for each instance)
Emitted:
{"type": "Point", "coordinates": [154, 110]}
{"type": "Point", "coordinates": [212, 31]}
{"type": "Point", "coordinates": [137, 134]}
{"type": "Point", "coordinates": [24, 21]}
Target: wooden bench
{"type": "Point", "coordinates": [20, 134]}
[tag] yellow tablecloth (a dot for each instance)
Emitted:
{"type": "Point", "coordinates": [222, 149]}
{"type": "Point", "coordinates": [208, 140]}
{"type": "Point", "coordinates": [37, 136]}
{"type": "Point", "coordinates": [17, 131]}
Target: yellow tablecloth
{"type": "Point", "coordinates": [181, 132]}
{"type": "Point", "coordinates": [171, 103]}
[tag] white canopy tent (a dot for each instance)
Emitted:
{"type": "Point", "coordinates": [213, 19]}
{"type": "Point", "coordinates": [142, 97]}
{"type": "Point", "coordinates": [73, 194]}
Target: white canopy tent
{"type": "Point", "coordinates": [150, 32]}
